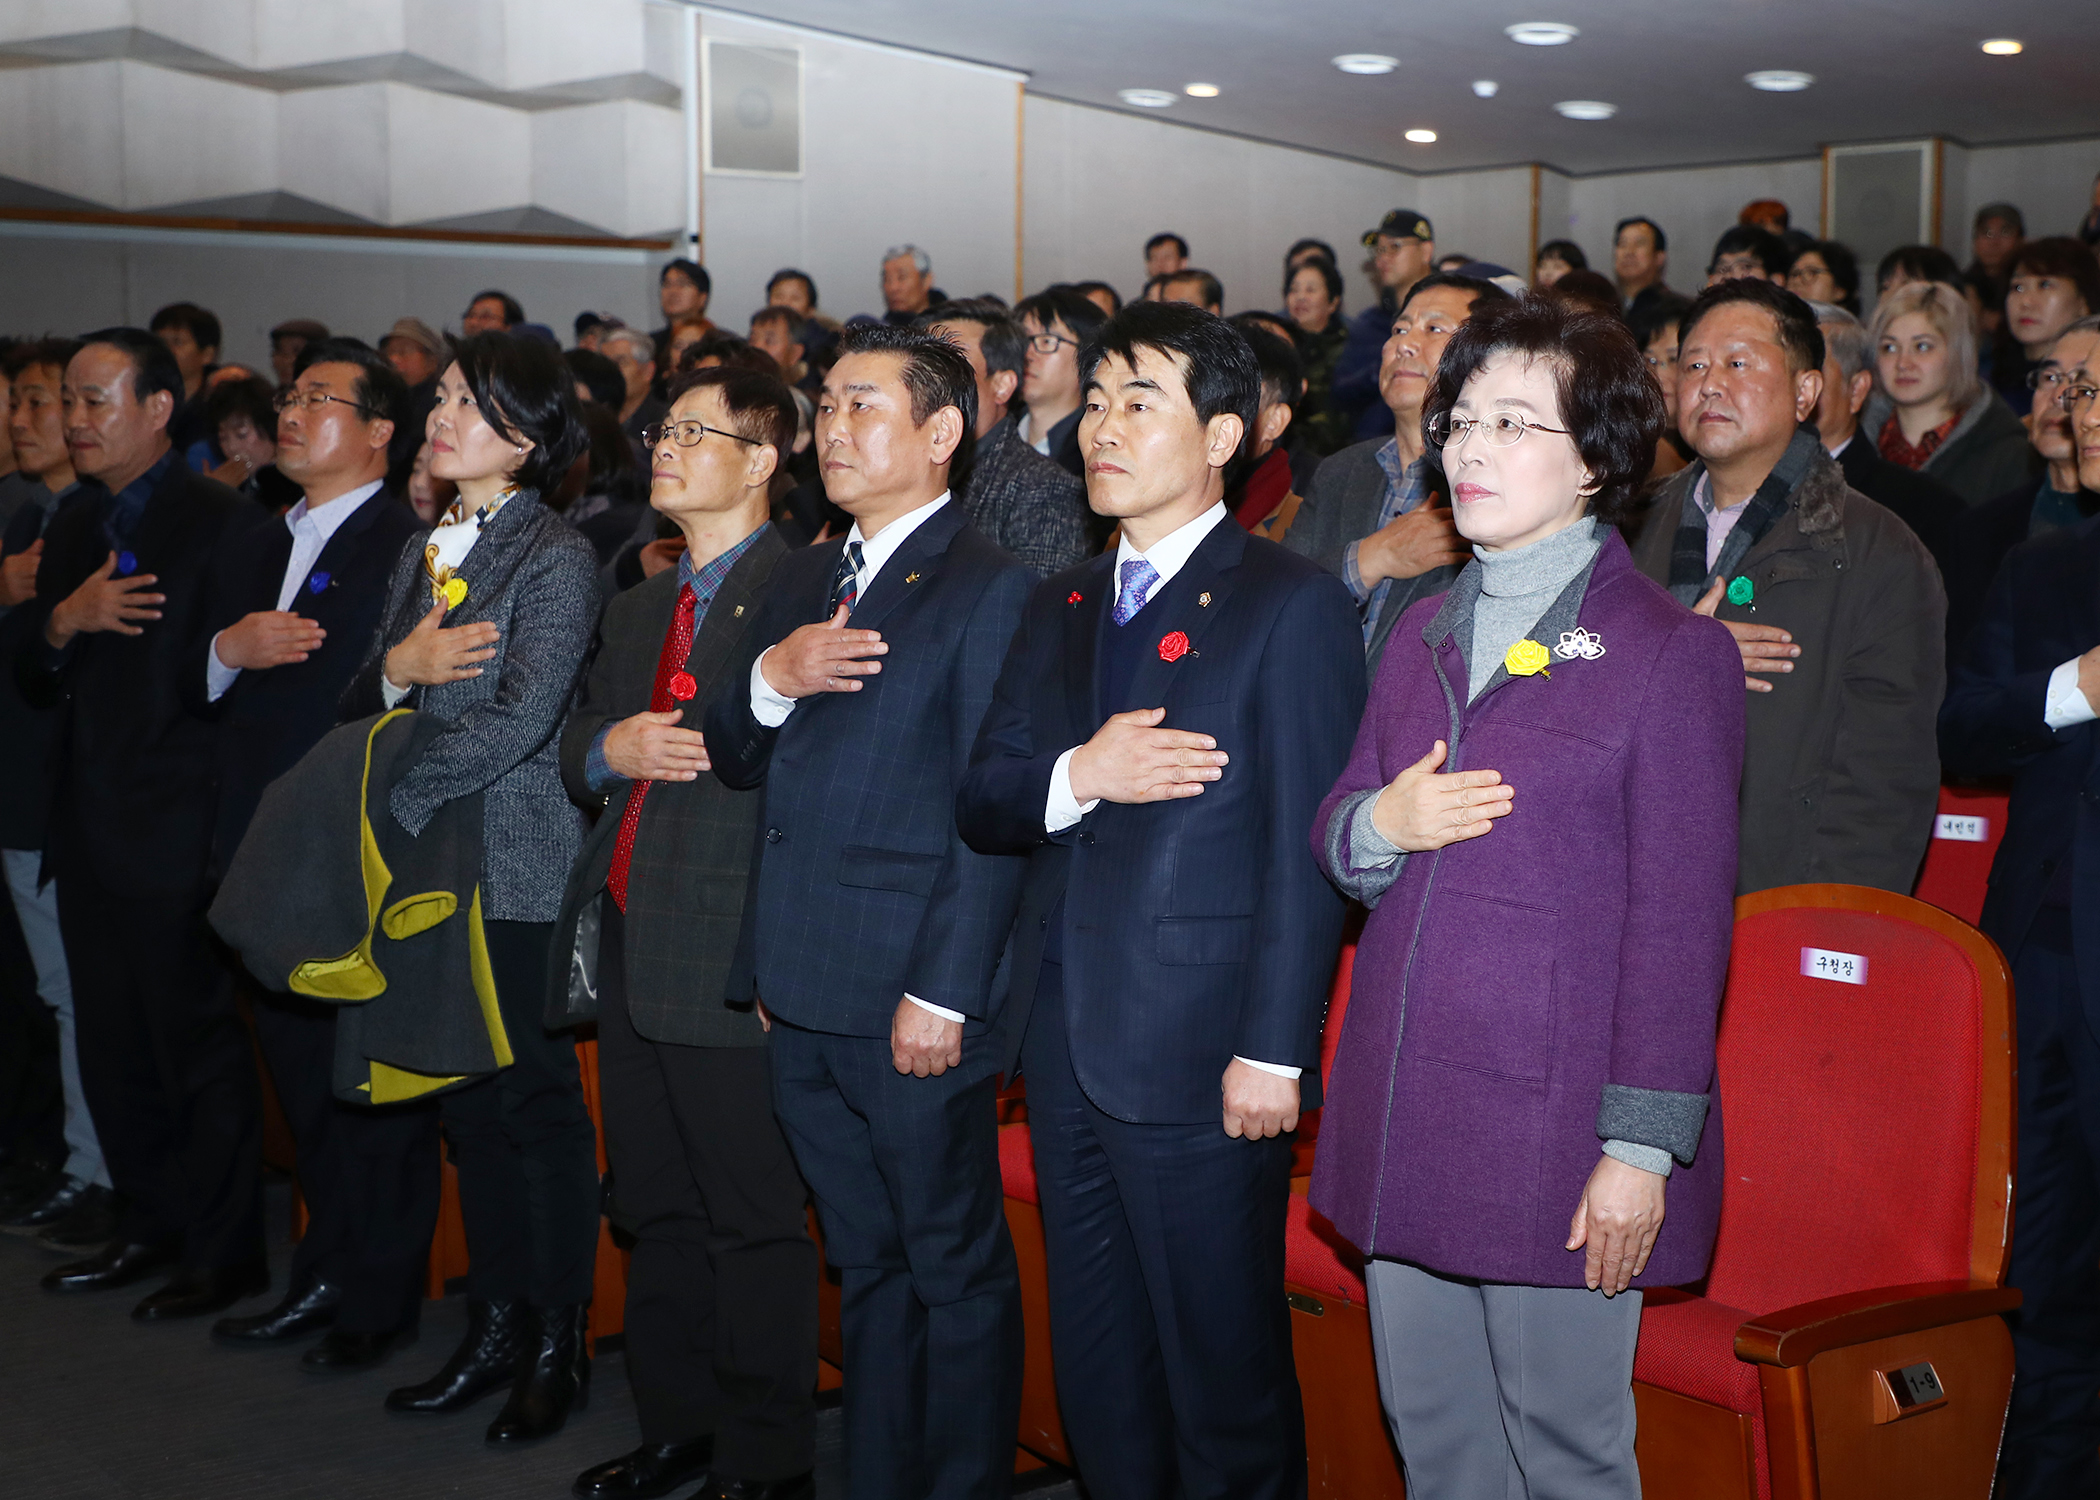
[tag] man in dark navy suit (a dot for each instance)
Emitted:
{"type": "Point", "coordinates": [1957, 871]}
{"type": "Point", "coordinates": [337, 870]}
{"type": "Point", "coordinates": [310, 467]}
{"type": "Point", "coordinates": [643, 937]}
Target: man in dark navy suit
{"type": "Point", "coordinates": [1165, 727]}
{"type": "Point", "coordinates": [2022, 702]}
{"type": "Point", "coordinates": [874, 930]}
{"type": "Point", "coordinates": [292, 606]}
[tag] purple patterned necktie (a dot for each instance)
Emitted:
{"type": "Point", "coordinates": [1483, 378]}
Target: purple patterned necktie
{"type": "Point", "coordinates": [1138, 578]}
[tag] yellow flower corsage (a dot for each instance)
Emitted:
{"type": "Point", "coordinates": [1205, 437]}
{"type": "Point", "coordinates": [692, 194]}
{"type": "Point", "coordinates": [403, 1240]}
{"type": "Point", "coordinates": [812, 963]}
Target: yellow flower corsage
{"type": "Point", "coordinates": [1525, 658]}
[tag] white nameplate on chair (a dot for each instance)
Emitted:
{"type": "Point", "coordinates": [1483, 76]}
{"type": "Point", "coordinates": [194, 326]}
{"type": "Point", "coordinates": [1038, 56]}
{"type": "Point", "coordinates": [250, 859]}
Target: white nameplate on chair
{"type": "Point", "coordinates": [1962, 828]}
{"type": "Point", "coordinates": [1845, 968]}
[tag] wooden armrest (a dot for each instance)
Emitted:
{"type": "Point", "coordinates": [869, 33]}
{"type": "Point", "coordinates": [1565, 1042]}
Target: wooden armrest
{"type": "Point", "coordinates": [1796, 1335]}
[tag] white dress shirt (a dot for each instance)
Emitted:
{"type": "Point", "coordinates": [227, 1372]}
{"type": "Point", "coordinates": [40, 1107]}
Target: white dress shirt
{"type": "Point", "coordinates": [1168, 556]}
{"type": "Point", "coordinates": [312, 526]}
{"type": "Point", "coordinates": [772, 708]}
{"type": "Point", "coordinates": [452, 540]}
{"type": "Point", "coordinates": [2065, 707]}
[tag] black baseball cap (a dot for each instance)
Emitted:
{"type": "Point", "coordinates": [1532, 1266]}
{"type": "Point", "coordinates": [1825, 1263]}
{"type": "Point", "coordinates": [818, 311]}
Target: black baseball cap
{"type": "Point", "coordinates": [1400, 223]}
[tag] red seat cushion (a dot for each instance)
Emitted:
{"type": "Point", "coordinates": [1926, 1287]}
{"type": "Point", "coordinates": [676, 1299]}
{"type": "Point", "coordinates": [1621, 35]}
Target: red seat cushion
{"type": "Point", "coordinates": [1318, 1259]}
{"type": "Point", "coordinates": [1688, 1346]}
{"type": "Point", "coordinates": [1957, 872]}
{"type": "Point", "coordinates": [1017, 1163]}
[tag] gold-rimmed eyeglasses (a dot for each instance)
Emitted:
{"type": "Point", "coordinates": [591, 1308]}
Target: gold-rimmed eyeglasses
{"type": "Point", "coordinates": [687, 434]}
{"type": "Point", "coordinates": [1500, 429]}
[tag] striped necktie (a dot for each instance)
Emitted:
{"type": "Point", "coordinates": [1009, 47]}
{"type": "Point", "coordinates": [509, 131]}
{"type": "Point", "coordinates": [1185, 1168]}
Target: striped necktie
{"type": "Point", "coordinates": [845, 585]}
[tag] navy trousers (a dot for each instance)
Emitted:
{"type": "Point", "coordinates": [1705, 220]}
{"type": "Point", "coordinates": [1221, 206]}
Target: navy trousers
{"type": "Point", "coordinates": [1167, 1316]}
{"type": "Point", "coordinates": [2053, 1431]}
{"type": "Point", "coordinates": [905, 1172]}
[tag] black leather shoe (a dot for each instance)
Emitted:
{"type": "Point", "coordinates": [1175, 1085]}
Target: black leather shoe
{"type": "Point", "coordinates": [192, 1294]}
{"type": "Point", "coordinates": [89, 1224]}
{"type": "Point", "coordinates": [554, 1375]}
{"type": "Point", "coordinates": [486, 1360]}
{"type": "Point", "coordinates": [119, 1264]}
{"type": "Point", "coordinates": [343, 1351]}
{"type": "Point", "coordinates": [303, 1309]}
{"type": "Point", "coordinates": [35, 1218]}
{"type": "Point", "coordinates": [801, 1487]}
{"type": "Point", "coordinates": [651, 1470]}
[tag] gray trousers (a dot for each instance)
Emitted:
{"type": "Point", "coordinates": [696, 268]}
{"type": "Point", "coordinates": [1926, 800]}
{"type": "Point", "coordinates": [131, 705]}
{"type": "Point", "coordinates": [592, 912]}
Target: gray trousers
{"type": "Point", "coordinates": [36, 908]}
{"type": "Point", "coordinates": [1505, 1392]}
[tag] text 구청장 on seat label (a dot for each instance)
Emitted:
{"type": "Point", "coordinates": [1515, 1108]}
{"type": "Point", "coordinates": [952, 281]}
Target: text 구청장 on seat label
{"type": "Point", "coordinates": [1845, 968]}
{"type": "Point", "coordinates": [1963, 828]}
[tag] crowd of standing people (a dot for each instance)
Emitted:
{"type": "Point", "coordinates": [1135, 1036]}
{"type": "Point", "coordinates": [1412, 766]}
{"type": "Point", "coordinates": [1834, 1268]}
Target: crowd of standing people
{"type": "Point", "coordinates": [848, 719]}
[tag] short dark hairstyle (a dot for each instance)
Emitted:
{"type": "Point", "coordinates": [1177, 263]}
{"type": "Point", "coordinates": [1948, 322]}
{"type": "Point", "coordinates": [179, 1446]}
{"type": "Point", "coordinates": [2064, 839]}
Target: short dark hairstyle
{"type": "Point", "coordinates": [937, 374]}
{"type": "Point", "coordinates": [1567, 252]}
{"type": "Point", "coordinates": [199, 323]}
{"type": "Point", "coordinates": [527, 394]}
{"type": "Point", "coordinates": [731, 349]}
{"type": "Point", "coordinates": [1652, 319]}
{"type": "Point", "coordinates": [587, 322]}
{"type": "Point", "coordinates": [600, 376]}
{"type": "Point", "coordinates": [1005, 346]}
{"type": "Point", "coordinates": [2004, 213]}
{"type": "Point", "coordinates": [1208, 287]}
{"type": "Point", "coordinates": [1085, 287]}
{"type": "Point", "coordinates": [1062, 304]}
{"type": "Point", "coordinates": [1590, 288]}
{"type": "Point", "coordinates": [1919, 263]}
{"type": "Point", "coordinates": [1282, 372]}
{"type": "Point", "coordinates": [2065, 258]}
{"type": "Point", "coordinates": [1662, 241]}
{"type": "Point", "coordinates": [31, 354]}
{"type": "Point", "coordinates": [249, 397]}
{"type": "Point", "coordinates": [1218, 366]}
{"type": "Point", "coordinates": [760, 405]}
{"type": "Point", "coordinates": [380, 390]}
{"type": "Point", "coordinates": [1325, 269]}
{"type": "Point", "coordinates": [1843, 265]}
{"type": "Point", "coordinates": [513, 311]}
{"type": "Point", "coordinates": [1483, 291]}
{"type": "Point", "coordinates": [1610, 404]}
{"type": "Point", "coordinates": [1750, 239]}
{"type": "Point", "coordinates": [1322, 246]}
{"type": "Point", "coordinates": [789, 273]}
{"type": "Point", "coordinates": [1793, 317]}
{"type": "Point", "coordinates": [153, 368]}
{"type": "Point", "coordinates": [1181, 245]}
{"type": "Point", "coordinates": [797, 331]}
{"type": "Point", "coordinates": [691, 270]}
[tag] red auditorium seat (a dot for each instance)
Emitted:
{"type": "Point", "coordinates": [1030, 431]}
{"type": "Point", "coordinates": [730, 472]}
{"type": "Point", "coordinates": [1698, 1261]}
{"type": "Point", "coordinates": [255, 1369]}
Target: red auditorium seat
{"type": "Point", "coordinates": [1866, 1077]}
{"type": "Point", "coordinates": [1966, 833]}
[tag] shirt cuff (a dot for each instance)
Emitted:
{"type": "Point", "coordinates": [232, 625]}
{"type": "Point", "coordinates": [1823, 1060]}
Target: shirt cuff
{"type": "Point", "coordinates": [1277, 1068]}
{"type": "Point", "coordinates": [598, 773]}
{"type": "Point", "coordinates": [1358, 589]}
{"type": "Point", "coordinates": [2065, 707]}
{"type": "Point", "coordinates": [1647, 1158]}
{"type": "Point", "coordinates": [1061, 809]}
{"type": "Point", "coordinates": [767, 706]}
{"type": "Point", "coordinates": [940, 1010]}
{"type": "Point", "coordinates": [388, 693]}
{"type": "Point", "coordinates": [218, 677]}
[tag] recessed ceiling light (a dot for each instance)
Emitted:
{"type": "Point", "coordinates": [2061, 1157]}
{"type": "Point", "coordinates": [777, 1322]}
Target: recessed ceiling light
{"type": "Point", "coordinates": [1486, 88]}
{"type": "Point", "coordinates": [1146, 98]}
{"type": "Point", "coordinates": [1366, 62]}
{"type": "Point", "coordinates": [1200, 90]}
{"type": "Point", "coordinates": [1541, 33]}
{"type": "Point", "coordinates": [1779, 80]}
{"type": "Point", "coordinates": [2002, 46]}
{"type": "Point", "coordinates": [1422, 137]}
{"type": "Point", "coordinates": [1585, 109]}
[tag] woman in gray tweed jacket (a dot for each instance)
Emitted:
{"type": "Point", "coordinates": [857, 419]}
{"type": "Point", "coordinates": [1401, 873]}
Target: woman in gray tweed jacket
{"type": "Point", "coordinates": [488, 618]}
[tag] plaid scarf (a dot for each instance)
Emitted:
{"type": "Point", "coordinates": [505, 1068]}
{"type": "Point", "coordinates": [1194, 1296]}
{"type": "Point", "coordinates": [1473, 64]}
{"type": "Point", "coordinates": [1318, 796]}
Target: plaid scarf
{"type": "Point", "coordinates": [1689, 575]}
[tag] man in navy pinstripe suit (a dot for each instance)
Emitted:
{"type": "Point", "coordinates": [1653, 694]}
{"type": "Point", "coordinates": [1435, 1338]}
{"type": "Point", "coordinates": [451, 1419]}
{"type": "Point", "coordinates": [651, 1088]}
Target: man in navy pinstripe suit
{"type": "Point", "coordinates": [1164, 729]}
{"type": "Point", "coordinates": [874, 931]}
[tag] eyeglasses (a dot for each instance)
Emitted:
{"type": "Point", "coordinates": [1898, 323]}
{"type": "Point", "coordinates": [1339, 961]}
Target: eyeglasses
{"type": "Point", "coordinates": [1046, 343]}
{"type": "Point", "coordinates": [2077, 395]}
{"type": "Point", "coordinates": [284, 401]}
{"type": "Point", "coordinates": [2048, 382]}
{"type": "Point", "coordinates": [1501, 429]}
{"type": "Point", "coordinates": [687, 434]}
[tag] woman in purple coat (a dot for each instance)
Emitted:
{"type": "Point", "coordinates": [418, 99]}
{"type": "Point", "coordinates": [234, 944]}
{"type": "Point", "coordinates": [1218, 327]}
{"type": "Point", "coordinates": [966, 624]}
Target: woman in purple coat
{"type": "Point", "coordinates": [1541, 812]}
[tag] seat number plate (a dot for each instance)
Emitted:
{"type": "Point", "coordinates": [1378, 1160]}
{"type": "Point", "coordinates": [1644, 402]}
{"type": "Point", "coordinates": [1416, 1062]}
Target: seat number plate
{"type": "Point", "coordinates": [1845, 968]}
{"type": "Point", "coordinates": [1962, 828]}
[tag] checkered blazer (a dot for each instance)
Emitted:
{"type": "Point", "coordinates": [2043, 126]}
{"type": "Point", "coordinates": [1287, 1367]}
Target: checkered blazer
{"type": "Point", "coordinates": [865, 890]}
{"type": "Point", "coordinates": [1029, 505]}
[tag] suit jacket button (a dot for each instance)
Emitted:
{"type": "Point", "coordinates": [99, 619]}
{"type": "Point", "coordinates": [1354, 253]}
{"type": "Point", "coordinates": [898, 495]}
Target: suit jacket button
{"type": "Point", "coordinates": [772, 835]}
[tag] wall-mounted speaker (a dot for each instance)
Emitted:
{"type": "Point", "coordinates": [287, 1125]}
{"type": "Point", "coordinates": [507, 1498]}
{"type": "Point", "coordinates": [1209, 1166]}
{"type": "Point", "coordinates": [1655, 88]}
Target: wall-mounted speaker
{"type": "Point", "coordinates": [1881, 196]}
{"type": "Point", "coordinates": [754, 109]}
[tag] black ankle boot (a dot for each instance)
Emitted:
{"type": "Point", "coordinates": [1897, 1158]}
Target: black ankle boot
{"type": "Point", "coordinates": [486, 1360]}
{"type": "Point", "coordinates": [554, 1374]}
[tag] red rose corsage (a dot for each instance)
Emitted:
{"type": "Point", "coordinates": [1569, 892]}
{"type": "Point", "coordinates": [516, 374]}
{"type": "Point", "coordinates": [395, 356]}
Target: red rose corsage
{"type": "Point", "coordinates": [682, 686]}
{"type": "Point", "coordinates": [1174, 646]}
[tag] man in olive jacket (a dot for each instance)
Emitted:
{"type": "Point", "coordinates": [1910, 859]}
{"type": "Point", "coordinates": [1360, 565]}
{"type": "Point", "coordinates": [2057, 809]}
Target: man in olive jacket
{"type": "Point", "coordinates": [1836, 605]}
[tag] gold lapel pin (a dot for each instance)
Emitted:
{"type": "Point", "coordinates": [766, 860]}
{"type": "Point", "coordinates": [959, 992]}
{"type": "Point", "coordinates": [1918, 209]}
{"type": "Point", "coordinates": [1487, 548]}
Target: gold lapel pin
{"type": "Point", "coordinates": [737, 613]}
{"type": "Point", "coordinates": [1203, 601]}
{"type": "Point", "coordinates": [911, 578]}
